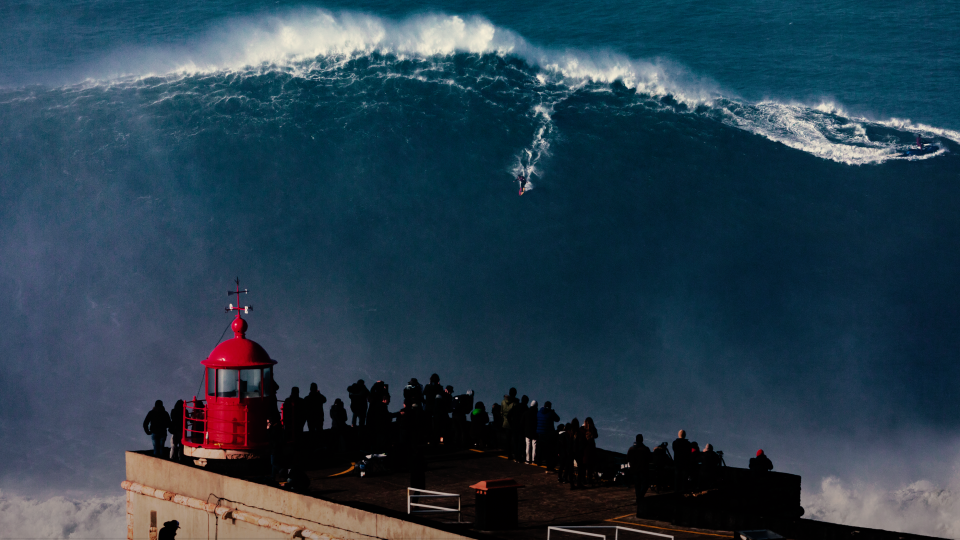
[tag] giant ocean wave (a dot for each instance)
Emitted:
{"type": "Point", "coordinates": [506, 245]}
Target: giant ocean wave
{"type": "Point", "coordinates": [316, 44]}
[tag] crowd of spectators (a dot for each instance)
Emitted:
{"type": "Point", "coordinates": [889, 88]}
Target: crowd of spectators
{"type": "Point", "coordinates": [524, 430]}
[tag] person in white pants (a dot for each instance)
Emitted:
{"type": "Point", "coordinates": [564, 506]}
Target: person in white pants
{"type": "Point", "coordinates": [530, 431]}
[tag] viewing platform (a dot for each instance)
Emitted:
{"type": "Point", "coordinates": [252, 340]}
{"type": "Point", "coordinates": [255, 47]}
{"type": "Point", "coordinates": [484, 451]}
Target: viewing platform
{"type": "Point", "coordinates": [339, 504]}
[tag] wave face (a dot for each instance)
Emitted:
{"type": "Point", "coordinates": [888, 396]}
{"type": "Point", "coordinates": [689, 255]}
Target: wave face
{"type": "Point", "coordinates": [761, 273]}
{"type": "Point", "coordinates": [319, 45]}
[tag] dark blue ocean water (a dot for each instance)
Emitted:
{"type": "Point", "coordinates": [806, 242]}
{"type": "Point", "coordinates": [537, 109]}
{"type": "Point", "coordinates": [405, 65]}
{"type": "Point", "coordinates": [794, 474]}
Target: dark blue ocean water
{"type": "Point", "coordinates": [722, 234]}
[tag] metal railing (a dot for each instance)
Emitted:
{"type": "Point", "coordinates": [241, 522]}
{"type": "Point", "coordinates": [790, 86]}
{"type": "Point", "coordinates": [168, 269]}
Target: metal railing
{"type": "Point", "coordinates": [196, 416]}
{"type": "Point", "coordinates": [616, 531]}
{"type": "Point", "coordinates": [431, 509]}
{"type": "Point", "coordinates": [199, 430]}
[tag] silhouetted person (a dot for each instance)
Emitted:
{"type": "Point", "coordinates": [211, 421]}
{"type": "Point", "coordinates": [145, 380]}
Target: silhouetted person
{"type": "Point", "coordinates": [338, 414]}
{"type": "Point", "coordinates": [761, 463]}
{"type": "Point", "coordinates": [448, 396]}
{"type": "Point", "coordinates": [497, 433]}
{"type": "Point", "coordinates": [378, 415]}
{"type": "Point", "coordinates": [358, 394]}
{"type": "Point", "coordinates": [275, 439]}
{"type": "Point", "coordinates": [338, 421]}
{"type": "Point", "coordinates": [577, 444]}
{"type": "Point", "coordinates": [176, 432]}
{"type": "Point", "coordinates": [271, 387]}
{"type": "Point", "coordinates": [413, 393]}
{"type": "Point", "coordinates": [441, 418]}
{"type": "Point", "coordinates": [710, 459]}
{"type": "Point", "coordinates": [661, 466]}
{"type": "Point", "coordinates": [639, 458]}
{"type": "Point", "coordinates": [411, 426]}
{"type": "Point", "coordinates": [462, 407]}
{"type": "Point", "coordinates": [588, 452]}
{"type": "Point", "coordinates": [430, 393]}
{"type": "Point", "coordinates": [156, 425]}
{"type": "Point", "coordinates": [197, 423]}
{"type": "Point", "coordinates": [297, 480]}
{"type": "Point", "coordinates": [519, 411]}
{"type": "Point", "coordinates": [293, 414]}
{"type": "Point", "coordinates": [313, 407]}
{"type": "Point", "coordinates": [681, 461]}
{"type": "Point", "coordinates": [530, 432]}
{"type": "Point", "coordinates": [547, 435]}
{"type": "Point", "coordinates": [507, 408]}
{"type": "Point", "coordinates": [478, 425]}
{"type": "Point", "coordinates": [564, 454]}
{"type": "Point", "coordinates": [693, 464]}
{"type": "Point", "coordinates": [169, 530]}
{"type": "Point", "coordinates": [710, 463]}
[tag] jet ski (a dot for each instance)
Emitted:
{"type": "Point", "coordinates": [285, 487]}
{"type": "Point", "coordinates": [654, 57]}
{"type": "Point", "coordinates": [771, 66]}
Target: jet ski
{"type": "Point", "coordinates": [917, 151]}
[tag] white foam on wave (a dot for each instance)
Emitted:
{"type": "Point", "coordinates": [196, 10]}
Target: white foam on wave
{"type": "Point", "coordinates": [59, 517]}
{"type": "Point", "coordinates": [293, 40]}
{"type": "Point", "coordinates": [907, 125]}
{"type": "Point", "coordinates": [815, 130]}
{"type": "Point", "coordinates": [921, 507]}
{"type": "Point", "coordinates": [827, 131]}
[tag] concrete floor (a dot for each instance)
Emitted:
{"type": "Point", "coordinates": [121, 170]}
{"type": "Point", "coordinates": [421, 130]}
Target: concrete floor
{"type": "Point", "coordinates": [543, 501]}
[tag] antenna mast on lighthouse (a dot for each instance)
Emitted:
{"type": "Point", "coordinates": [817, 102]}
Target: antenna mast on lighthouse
{"type": "Point", "coordinates": [239, 325]}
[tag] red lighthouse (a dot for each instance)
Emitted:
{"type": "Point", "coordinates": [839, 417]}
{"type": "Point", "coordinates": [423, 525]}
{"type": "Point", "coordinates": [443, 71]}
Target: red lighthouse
{"type": "Point", "coordinates": [231, 423]}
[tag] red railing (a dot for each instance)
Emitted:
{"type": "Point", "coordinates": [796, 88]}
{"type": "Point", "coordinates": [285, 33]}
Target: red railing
{"type": "Point", "coordinates": [223, 429]}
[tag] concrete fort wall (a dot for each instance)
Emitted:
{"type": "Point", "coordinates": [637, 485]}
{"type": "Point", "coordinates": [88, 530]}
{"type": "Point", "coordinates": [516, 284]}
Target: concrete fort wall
{"type": "Point", "coordinates": [213, 506]}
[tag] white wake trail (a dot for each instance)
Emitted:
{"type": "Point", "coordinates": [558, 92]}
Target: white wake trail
{"type": "Point", "coordinates": [527, 160]}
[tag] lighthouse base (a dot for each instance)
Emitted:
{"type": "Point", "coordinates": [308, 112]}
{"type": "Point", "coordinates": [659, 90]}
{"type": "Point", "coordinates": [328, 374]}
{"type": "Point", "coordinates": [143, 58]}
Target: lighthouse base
{"type": "Point", "coordinates": [222, 454]}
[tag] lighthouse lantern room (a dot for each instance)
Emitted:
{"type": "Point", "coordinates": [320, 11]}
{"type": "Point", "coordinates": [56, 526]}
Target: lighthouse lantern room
{"type": "Point", "coordinates": [231, 423]}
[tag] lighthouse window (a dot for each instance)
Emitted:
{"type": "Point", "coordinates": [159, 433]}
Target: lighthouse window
{"type": "Point", "coordinates": [250, 383]}
{"type": "Point", "coordinates": [211, 382]}
{"type": "Point", "coordinates": [226, 383]}
{"type": "Point", "coordinates": [267, 382]}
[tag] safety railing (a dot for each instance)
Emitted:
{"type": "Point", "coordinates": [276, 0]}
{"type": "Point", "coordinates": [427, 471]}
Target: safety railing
{"type": "Point", "coordinates": [194, 423]}
{"type": "Point", "coordinates": [574, 529]}
{"type": "Point", "coordinates": [430, 508]}
{"type": "Point", "coordinates": [198, 428]}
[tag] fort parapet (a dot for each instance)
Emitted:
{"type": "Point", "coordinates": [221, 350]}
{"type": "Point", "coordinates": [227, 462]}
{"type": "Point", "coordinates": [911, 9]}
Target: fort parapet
{"type": "Point", "coordinates": [339, 504]}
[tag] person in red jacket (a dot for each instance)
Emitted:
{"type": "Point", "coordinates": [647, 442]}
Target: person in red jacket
{"type": "Point", "coordinates": [761, 463]}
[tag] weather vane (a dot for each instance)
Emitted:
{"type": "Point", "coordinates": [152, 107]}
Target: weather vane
{"type": "Point", "coordinates": [238, 308]}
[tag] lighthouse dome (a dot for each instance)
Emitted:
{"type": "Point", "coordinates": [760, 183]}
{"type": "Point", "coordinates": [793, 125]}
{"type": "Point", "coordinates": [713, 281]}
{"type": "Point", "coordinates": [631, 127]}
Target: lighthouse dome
{"type": "Point", "coordinates": [238, 352]}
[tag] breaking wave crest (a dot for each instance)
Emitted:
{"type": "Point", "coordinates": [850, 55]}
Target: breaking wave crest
{"type": "Point", "coordinates": [57, 517]}
{"type": "Point", "coordinates": [305, 42]}
{"type": "Point", "coordinates": [296, 38]}
{"type": "Point", "coordinates": [918, 508]}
